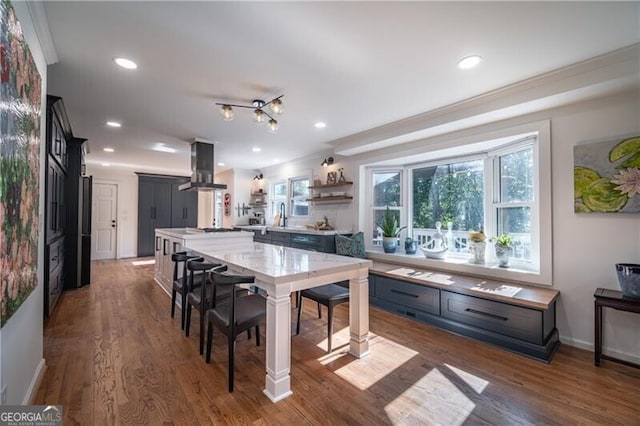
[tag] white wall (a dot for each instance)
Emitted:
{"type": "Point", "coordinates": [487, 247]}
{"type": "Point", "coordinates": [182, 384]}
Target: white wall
{"type": "Point", "coordinates": [227, 178]}
{"type": "Point", "coordinates": [342, 216]}
{"type": "Point", "coordinates": [127, 216]}
{"type": "Point", "coordinates": [21, 360]}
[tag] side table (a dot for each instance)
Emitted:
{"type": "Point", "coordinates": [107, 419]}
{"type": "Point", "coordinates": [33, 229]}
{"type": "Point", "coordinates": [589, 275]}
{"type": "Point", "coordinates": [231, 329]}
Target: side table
{"type": "Point", "coordinates": [616, 300]}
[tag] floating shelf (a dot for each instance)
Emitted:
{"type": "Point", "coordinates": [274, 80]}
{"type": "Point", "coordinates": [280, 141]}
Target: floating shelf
{"type": "Point", "coordinates": [330, 185]}
{"type": "Point", "coordinates": [258, 204]}
{"type": "Point", "coordinates": [258, 193]}
{"type": "Point", "coordinates": [346, 197]}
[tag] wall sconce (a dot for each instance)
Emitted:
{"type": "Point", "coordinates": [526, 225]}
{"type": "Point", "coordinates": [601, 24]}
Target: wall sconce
{"type": "Point", "coordinates": [258, 177]}
{"type": "Point", "coordinates": [327, 162]}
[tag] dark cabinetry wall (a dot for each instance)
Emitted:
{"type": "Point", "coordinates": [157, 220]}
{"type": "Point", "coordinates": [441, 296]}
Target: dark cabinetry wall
{"type": "Point", "coordinates": [64, 163]}
{"type": "Point", "coordinates": [162, 205]}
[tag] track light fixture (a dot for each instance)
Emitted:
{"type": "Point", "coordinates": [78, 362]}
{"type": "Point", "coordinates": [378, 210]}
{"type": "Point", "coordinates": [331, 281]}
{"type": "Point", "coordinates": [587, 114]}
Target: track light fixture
{"type": "Point", "coordinates": [258, 177]}
{"type": "Point", "coordinates": [260, 116]}
{"type": "Point", "coordinates": [327, 162]}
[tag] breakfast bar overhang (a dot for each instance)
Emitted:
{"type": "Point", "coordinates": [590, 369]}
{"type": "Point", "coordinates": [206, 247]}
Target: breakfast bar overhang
{"type": "Point", "coordinates": [283, 270]}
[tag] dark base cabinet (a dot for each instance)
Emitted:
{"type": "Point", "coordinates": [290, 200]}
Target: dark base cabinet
{"type": "Point", "coordinates": [527, 331]}
{"type": "Point", "coordinates": [321, 243]}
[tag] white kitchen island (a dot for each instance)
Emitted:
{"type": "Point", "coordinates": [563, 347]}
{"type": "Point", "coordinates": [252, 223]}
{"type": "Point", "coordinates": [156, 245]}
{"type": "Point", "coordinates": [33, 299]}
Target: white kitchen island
{"type": "Point", "coordinates": [171, 240]}
{"type": "Point", "coordinates": [283, 270]}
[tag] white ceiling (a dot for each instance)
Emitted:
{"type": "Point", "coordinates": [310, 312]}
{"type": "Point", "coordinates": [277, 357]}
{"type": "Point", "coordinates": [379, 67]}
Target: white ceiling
{"type": "Point", "coordinates": [354, 65]}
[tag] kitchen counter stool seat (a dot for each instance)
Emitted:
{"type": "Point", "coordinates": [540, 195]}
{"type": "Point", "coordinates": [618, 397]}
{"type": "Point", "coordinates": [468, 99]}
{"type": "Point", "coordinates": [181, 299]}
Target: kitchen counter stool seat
{"type": "Point", "coordinates": [233, 315]}
{"type": "Point", "coordinates": [329, 295]}
{"type": "Point", "coordinates": [180, 285]}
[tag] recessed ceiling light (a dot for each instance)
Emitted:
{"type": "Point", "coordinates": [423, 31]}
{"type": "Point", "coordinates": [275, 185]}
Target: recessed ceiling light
{"type": "Point", "coordinates": [220, 164]}
{"type": "Point", "coordinates": [126, 63]}
{"type": "Point", "coordinates": [113, 124]}
{"type": "Point", "coordinates": [276, 160]}
{"type": "Point", "coordinates": [469, 62]}
{"type": "Point", "coordinates": [320, 125]}
{"type": "Point", "coordinates": [256, 149]}
{"type": "Point", "coordinates": [160, 147]}
{"type": "Point", "coordinates": [106, 164]}
{"type": "Point", "coordinates": [108, 149]}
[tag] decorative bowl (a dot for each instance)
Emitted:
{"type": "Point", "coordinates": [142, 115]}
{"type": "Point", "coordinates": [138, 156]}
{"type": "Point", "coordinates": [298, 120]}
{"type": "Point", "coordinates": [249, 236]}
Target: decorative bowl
{"type": "Point", "coordinates": [629, 278]}
{"type": "Point", "coordinates": [434, 254]}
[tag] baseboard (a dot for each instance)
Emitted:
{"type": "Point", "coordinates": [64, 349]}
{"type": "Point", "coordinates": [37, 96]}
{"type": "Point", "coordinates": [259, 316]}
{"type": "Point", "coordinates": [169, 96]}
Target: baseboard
{"type": "Point", "coordinates": [588, 346]}
{"type": "Point", "coordinates": [35, 383]}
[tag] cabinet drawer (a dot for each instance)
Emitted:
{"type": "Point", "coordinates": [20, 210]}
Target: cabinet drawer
{"type": "Point", "coordinates": [282, 238]}
{"type": "Point", "coordinates": [260, 238]}
{"type": "Point", "coordinates": [56, 254]}
{"type": "Point", "coordinates": [416, 296]}
{"type": "Point", "coordinates": [514, 321]}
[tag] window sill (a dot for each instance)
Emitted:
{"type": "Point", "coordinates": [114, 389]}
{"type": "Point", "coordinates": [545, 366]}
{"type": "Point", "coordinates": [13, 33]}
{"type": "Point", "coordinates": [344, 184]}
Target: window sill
{"type": "Point", "coordinates": [461, 266]}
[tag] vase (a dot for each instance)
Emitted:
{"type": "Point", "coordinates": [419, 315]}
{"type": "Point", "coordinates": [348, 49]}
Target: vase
{"type": "Point", "coordinates": [477, 251]}
{"type": "Point", "coordinates": [410, 247]}
{"type": "Point", "coordinates": [389, 244]}
{"type": "Point", "coordinates": [629, 278]}
{"type": "Point", "coordinates": [503, 254]}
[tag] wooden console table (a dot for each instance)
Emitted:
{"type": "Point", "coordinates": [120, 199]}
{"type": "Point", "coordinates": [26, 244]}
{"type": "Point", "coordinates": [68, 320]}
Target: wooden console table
{"type": "Point", "coordinates": [611, 299]}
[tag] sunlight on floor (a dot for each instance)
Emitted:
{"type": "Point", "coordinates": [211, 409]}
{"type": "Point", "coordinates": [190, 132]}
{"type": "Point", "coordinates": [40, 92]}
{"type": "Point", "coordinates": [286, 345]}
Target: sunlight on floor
{"type": "Point", "coordinates": [432, 399]}
{"type": "Point", "coordinates": [475, 382]}
{"type": "Point", "coordinates": [143, 262]}
{"type": "Point", "coordinates": [365, 372]}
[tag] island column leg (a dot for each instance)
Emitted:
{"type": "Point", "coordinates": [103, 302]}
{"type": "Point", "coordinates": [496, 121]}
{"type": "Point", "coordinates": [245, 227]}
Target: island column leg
{"type": "Point", "coordinates": [278, 350]}
{"type": "Point", "coordinates": [359, 314]}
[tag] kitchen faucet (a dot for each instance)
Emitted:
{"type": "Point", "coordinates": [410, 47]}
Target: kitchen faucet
{"type": "Point", "coordinates": [283, 216]}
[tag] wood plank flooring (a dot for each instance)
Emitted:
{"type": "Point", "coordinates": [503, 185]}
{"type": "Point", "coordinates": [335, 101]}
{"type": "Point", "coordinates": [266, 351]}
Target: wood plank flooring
{"type": "Point", "coordinates": [115, 357]}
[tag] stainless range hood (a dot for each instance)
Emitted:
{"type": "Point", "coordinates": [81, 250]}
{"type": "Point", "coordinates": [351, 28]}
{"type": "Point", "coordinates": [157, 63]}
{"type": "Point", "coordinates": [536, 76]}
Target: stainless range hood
{"type": "Point", "coordinates": [201, 168]}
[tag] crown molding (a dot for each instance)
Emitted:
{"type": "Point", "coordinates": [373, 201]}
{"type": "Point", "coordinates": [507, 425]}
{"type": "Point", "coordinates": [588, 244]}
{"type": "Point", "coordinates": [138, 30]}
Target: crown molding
{"type": "Point", "coordinates": [598, 76]}
{"type": "Point", "coordinates": [41, 26]}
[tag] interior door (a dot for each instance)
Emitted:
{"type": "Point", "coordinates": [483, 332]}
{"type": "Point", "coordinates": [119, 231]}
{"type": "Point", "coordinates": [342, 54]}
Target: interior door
{"type": "Point", "coordinates": [105, 225]}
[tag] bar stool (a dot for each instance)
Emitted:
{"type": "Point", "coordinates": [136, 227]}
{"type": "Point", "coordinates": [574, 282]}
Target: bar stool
{"type": "Point", "coordinates": [328, 295]}
{"type": "Point", "coordinates": [233, 315]}
{"type": "Point", "coordinates": [180, 284]}
{"type": "Point", "coordinates": [200, 295]}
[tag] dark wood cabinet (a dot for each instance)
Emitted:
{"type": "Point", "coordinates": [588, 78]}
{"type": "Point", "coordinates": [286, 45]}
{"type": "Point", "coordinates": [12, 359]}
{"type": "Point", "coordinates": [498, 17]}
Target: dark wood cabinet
{"type": "Point", "coordinates": [64, 164]}
{"type": "Point", "coordinates": [162, 205]}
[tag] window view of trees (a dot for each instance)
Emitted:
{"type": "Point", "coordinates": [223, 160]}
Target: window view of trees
{"type": "Point", "coordinates": [386, 189]}
{"type": "Point", "coordinates": [299, 195]}
{"type": "Point", "coordinates": [516, 192]}
{"type": "Point", "coordinates": [449, 193]}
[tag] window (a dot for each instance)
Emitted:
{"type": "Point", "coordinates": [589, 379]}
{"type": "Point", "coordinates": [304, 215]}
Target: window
{"type": "Point", "coordinates": [292, 193]}
{"type": "Point", "coordinates": [493, 190]}
{"type": "Point", "coordinates": [299, 195]}
{"type": "Point", "coordinates": [387, 187]}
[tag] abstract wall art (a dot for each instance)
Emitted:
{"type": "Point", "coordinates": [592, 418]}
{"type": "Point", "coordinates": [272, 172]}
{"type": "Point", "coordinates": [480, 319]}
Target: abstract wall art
{"type": "Point", "coordinates": [20, 109]}
{"type": "Point", "coordinates": [606, 176]}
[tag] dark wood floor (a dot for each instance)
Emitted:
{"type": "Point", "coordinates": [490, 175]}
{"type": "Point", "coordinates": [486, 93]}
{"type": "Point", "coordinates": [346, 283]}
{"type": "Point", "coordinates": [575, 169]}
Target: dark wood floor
{"type": "Point", "coordinates": [114, 356]}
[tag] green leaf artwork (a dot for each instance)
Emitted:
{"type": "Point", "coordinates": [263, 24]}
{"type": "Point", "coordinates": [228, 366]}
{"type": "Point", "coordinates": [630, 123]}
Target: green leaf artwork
{"type": "Point", "coordinates": [606, 176]}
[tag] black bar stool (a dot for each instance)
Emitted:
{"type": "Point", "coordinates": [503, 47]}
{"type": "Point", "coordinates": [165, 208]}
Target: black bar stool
{"type": "Point", "coordinates": [199, 295]}
{"type": "Point", "coordinates": [180, 284]}
{"type": "Point", "coordinates": [233, 315]}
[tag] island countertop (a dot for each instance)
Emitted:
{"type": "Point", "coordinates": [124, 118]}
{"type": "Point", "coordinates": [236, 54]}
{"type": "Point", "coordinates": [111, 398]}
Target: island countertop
{"type": "Point", "coordinates": [197, 234]}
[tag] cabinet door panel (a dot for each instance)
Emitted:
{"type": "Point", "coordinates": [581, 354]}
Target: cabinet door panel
{"type": "Point", "coordinates": [162, 204]}
{"type": "Point", "coordinates": [146, 218]}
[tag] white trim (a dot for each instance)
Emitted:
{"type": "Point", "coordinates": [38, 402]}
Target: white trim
{"type": "Point", "coordinates": [43, 33]}
{"type": "Point", "coordinates": [35, 383]}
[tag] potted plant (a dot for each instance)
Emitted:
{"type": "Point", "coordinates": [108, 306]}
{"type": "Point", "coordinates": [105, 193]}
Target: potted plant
{"type": "Point", "coordinates": [390, 231]}
{"type": "Point", "coordinates": [504, 250]}
{"type": "Point", "coordinates": [477, 245]}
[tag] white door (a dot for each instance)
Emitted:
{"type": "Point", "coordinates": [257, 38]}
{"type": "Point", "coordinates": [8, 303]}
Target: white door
{"type": "Point", "coordinates": [105, 225]}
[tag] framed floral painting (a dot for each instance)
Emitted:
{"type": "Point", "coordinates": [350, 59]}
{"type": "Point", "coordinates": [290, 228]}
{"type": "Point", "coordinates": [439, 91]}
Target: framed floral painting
{"type": "Point", "coordinates": [606, 176]}
{"type": "Point", "coordinates": [21, 90]}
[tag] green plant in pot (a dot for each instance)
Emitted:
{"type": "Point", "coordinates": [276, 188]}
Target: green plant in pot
{"type": "Point", "coordinates": [504, 249]}
{"type": "Point", "coordinates": [390, 231]}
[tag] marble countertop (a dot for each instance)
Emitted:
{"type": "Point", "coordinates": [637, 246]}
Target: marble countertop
{"type": "Point", "coordinates": [274, 264]}
{"type": "Point", "coordinates": [293, 229]}
{"type": "Point", "coordinates": [196, 234]}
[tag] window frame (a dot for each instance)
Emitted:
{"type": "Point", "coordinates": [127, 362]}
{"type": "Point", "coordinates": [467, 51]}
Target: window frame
{"type": "Point", "coordinates": [493, 139]}
{"type": "Point", "coordinates": [370, 218]}
{"type": "Point", "coordinates": [292, 198]}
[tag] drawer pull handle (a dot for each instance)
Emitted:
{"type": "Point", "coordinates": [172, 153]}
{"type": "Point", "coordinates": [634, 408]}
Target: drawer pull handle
{"type": "Point", "coordinates": [486, 314]}
{"type": "Point", "coordinates": [393, 290]}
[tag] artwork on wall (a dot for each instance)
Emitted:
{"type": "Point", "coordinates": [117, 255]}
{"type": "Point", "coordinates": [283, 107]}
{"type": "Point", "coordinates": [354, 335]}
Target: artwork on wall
{"type": "Point", "coordinates": [21, 90]}
{"type": "Point", "coordinates": [606, 176]}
